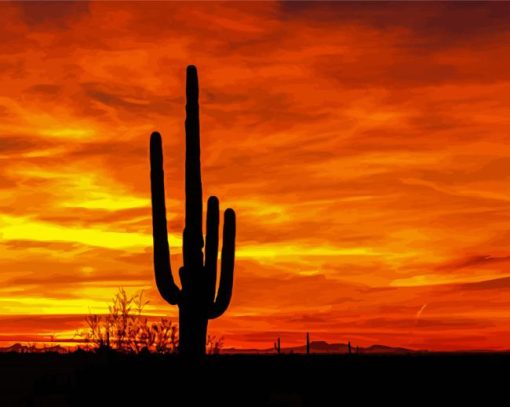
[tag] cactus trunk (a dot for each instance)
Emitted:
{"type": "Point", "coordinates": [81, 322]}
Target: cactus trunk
{"type": "Point", "coordinates": [197, 298]}
{"type": "Point", "coordinates": [277, 346]}
{"type": "Point", "coordinates": [192, 331]}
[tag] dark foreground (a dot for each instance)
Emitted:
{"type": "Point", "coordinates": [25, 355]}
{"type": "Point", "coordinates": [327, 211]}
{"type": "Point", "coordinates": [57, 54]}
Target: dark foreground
{"type": "Point", "coordinates": [244, 380]}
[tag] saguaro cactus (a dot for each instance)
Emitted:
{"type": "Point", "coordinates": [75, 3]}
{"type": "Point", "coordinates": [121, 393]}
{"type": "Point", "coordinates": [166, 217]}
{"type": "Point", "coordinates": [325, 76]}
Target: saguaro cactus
{"type": "Point", "coordinates": [277, 346]}
{"type": "Point", "coordinates": [197, 298]}
{"type": "Point", "coordinates": [308, 343]}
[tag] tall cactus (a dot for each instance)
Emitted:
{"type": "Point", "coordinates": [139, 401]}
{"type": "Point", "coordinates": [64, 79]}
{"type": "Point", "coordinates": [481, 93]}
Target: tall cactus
{"type": "Point", "coordinates": [277, 347]}
{"type": "Point", "coordinates": [197, 298]}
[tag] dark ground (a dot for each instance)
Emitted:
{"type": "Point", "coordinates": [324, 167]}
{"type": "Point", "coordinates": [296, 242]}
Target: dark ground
{"type": "Point", "coordinates": [244, 380]}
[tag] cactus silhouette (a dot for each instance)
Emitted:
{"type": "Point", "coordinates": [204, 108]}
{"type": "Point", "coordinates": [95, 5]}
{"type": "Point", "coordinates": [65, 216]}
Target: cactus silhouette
{"type": "Point", "coordinates": [197, 298]}
{"type": "Point", "coordinates": [277, 346]}
{"type": "Point", "coordinates": [308, 343]}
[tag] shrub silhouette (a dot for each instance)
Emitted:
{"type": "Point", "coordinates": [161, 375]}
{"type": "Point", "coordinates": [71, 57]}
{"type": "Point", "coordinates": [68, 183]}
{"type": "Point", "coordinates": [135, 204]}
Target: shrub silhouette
{"type": "Point", "coordinates": [197, 299]}
{"type": "Point", "coordinates": [125, 328]}
{"type": "Point", "coordinates": [214, 345]}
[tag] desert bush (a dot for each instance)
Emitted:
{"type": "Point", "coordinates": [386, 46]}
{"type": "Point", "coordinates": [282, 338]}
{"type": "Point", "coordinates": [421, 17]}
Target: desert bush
{"type": "Point", "coordinates": [214, 345]}
{"type": "Point", "coordinates": [125, 328]}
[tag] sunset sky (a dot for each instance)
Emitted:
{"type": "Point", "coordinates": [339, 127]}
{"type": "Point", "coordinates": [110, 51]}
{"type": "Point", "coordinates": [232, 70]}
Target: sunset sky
{"type": "Point", "coordinates": [365, 148]}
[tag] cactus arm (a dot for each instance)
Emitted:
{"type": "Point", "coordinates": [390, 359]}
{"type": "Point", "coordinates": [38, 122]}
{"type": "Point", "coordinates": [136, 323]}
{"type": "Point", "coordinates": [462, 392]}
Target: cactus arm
{"type": "Point", "coordinates": [211, 248]}
{"type": "Point", "coordinates": [227, 266]}
{"type": "Point", "coordinates": [193, 258]}
{"type": "Point", "coordinates": [164, 279]}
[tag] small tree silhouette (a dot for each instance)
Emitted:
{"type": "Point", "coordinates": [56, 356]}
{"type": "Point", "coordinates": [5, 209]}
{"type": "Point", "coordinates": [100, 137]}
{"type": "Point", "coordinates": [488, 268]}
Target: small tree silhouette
{"type": "Point", "coordinates": [126, 329]}
{"type": "Point", "coordinates": [214, 345]}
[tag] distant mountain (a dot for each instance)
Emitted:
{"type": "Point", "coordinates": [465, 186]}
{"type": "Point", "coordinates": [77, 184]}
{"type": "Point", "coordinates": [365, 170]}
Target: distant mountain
{"type": "Point", "coordinates": [20, 348]}
{"type": "Point", "coordinates": [320, 347]}
{"type": "Point", "coordinates": [325, 348]}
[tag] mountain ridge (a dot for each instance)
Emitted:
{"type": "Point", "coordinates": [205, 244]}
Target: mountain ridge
{"type": "Point", "coordinates": [327, 348]}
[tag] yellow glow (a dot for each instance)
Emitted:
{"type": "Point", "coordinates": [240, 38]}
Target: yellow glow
{"type": "Point", "coordinates": [68, 132]}
{"type": "Point", "coordinates": [40, 305]}
{"type": "Point", "coordinates": [268, 211]}
{"type": "Point", "coordinates": [86, 190]}
{"type": "Point", "coordinates": [88, 270]}
{"type": "Point", "coordinates": [107, 203]}
{"type": "Point", "coordinates": [425, 280]}
{"type": "Point", "coordinates": [22, 228]}
{"type": "Point", "coordinates": [275, 251]}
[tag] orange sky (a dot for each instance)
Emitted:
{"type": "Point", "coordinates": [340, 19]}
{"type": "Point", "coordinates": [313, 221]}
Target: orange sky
{"type": "Point", "coordinates": [365, 148]}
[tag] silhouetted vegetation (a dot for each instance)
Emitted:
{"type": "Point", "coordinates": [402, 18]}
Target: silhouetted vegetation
{"type": "Point", "coordinates": [197, 299]}
{"type": "Point", "coordinates": [277, 346]}
{"type": "Point", "coordinates": [214, 345]}
{"type": "Point", "coordinates": [125, 328]}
